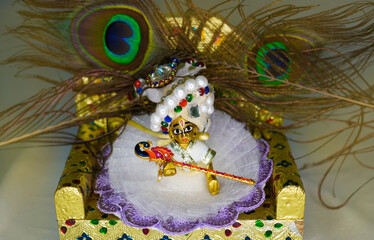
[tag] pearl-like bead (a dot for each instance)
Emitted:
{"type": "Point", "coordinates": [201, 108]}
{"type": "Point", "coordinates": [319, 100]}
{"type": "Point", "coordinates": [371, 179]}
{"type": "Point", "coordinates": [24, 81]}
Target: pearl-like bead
{"type": "Point", "coordinates": [162, 110]}
{"type": "Point", "coordinates": [170, 101]}
{"type": "Point", "coordinates": [209, 100]}
{"type": "Point", "coordinates": [201, 81]}
{"type": "Point", "coordinates": [191, 85]}
{"type": "Point", "coordinates": [155, 127]}
{"type": "Point", "coordinates": [210, 109]}
{"type": "Point", "coordinates": [179, 92]}
{"type": "Point", "coordinates": [204, 107]}
{"type": "Point", "coordinates": [155, 118]}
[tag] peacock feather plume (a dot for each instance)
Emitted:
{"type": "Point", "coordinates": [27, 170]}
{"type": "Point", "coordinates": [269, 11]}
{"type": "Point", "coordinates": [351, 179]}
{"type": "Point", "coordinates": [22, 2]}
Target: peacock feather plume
{"type": "Point", "coordinates": [302, 69]}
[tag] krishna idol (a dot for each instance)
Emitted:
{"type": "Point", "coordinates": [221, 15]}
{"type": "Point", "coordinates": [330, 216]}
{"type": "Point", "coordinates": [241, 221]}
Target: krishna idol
{"type": "Point", "coordinates": [178, 190]}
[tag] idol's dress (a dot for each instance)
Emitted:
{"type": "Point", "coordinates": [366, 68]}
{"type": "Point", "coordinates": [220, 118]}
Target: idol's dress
{"type": "Point", "coordinates": [178, 204]}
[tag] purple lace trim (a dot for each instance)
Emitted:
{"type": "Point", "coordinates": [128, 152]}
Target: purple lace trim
{"type": "Point", "coordinates": [114, 203]}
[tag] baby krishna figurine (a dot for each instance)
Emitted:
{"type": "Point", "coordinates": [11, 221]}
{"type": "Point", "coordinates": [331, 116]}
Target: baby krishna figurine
{"type": "Point", "coordinates": [189, 196]}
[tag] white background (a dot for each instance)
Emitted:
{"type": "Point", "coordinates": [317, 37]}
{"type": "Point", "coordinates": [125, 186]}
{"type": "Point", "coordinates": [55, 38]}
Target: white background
{"type": "Point", "coordinates": [28, 177]}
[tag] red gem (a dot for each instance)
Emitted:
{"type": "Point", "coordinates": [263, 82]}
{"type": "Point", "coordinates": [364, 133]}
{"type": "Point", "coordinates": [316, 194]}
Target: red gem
{"type": "Point", "coordinates": [201, 91]}
{"type": "Point", "coordinates": [228, 232]}
{"type": "Point", "coordinates": [269, 120]}
{"type": "Point", "coordinates": [63, 229]}
{"type": "Point", "coordinates": [277, 177]}
{"type": "Point", "coordinates": [145, 231]}
{"type": "Point", "coordinates": [236, 224]}
{"type": "Point", "coordinates": [76, 181]}
{"type": "Point", "coordinates": [183, 103]}
{"type": "Point", "coordinates": [200, 64]}
{"type": "Point", "coordinates": [70, 222]}
{"type": "Point", "coordinates": [164, 129]}
{"type": "Point", "coordinates": [266, 205]}
{"type": "Point", "coordinates": [190, 60]}
{"type": "Point", "coordinates": [137, 83]}
{"type": "Point", "coordinates": [130, 96]}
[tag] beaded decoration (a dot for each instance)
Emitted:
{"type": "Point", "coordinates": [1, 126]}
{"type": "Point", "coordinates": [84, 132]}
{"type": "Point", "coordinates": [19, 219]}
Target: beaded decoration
{"type": "Point", "coordinates": [192, 94]}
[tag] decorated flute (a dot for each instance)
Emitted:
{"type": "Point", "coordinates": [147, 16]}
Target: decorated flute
{"type": "Point", "coordinates": [160, 155]}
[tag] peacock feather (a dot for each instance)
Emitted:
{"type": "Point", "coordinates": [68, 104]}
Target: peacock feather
{"type": "Point", "coordinates": [302, 69]}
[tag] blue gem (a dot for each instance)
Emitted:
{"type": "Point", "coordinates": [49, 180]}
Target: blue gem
{"type": "Point", "coordinates": [165, 132]}
{"type": "Point", "coordinates": [175, 60]}
{"type": "Point", "coordinates": [84, 237]}
{"type": "Point", "coordinates": [167, 119]}
{"type": "Point", "coordinates": [140, 90]}
{"type": "Point", "coordinates": [288, 238]}
{"type": "Point", "coordinates": [207, 90]}
{"type": "Point", "coordinates": [247, 238]}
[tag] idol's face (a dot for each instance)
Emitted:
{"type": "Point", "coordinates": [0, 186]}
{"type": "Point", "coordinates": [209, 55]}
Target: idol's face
{"type": "Point", "coordinates": [182, 131]}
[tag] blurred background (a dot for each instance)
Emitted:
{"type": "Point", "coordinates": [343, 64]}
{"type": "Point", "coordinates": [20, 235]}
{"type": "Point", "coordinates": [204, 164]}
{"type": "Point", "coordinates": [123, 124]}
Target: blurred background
{"type": "Point", "coordinates": [28, 177]}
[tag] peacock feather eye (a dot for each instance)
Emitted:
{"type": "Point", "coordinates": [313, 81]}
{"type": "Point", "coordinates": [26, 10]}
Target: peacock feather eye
{"type": "Point", "coordinates": [113, 36]}
{"type": "Point", "coordinates": [122, 39]}
{"type": "Point", "coordinates": [273, 61]}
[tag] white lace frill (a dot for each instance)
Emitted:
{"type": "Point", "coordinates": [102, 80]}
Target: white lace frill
{"type": "Point", "coordinates": [184, 195]}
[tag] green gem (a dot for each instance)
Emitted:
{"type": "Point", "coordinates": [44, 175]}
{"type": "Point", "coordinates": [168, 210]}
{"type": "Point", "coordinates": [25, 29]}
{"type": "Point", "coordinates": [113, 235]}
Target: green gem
{"type": "Point", "coordinates": [178, 109]}
{"type": "Point", "coordinates": [189, 97]}
{"type": "Point", "coordinates": [91, 209]}
{"type": "Point", "coordinates": [278, 225]}
{"type": "Point", "coordinates": [94, 221]}
{"type": "Point", "coordinates": [112, 222]}
{"type": "Point", "coordinates": [103, 230]}
{"type": "Point", "coordinates": [268, 233]}
{"type": "Point", "coordinates": [259, 224]}
{"type": "Point", "coordinates": [164, 124]}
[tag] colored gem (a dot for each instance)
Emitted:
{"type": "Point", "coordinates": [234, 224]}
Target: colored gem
{"type": "Point", "coordinates": [278, 225]}
{"type": "Point", "coordinates": [76, 181]}
{"type": "Point", "coordinates": [64, 229]}
{"type": "Point", "coordinates": [288, 238]}
{"type": "Point", "coordinates": [103, 230]}
{"type": "Point", "coordinates": [259, 224]}
{"type": "Point", "coordinates": [190, 61]}
{"type": "Point", "coordinates": [104, 216]}
{"type": "Point", "coordinates": [66, 184]}
{"type": "Point", "coordinates": [284, 163]}
{"type": "Point", "coordinates": [247, 238]}
{"type": "Point", "coordinates": [164, 129]}
{"type": "Point", "coordinates": [200, 64]}
{"type": "Point", "coordinates": [175, 60]}
{"type": "Point", "coordinates": [164, 124]}
{"type": "Point", "coordinates": [236, 224]}
{"type": "Point", "coordinates": [277, 177]}
{"type": "Point", "coordinates": [290, 182]}
{"type": "Point", "coordinates": [189, 97]}
{"type": "Point", "coordinates": [91, 209]}
{"type": "Point", "coordinates": [183, 103]}
{"type": "Point", "coordinates": [84, 237]}
{"type": "Point", "coordinates": [112, 222]}
{"type": "Point", "coordinates": [268, 233]}
{"type": "Point", "coordinates": [165, 132]}
{"type": "Point", "coordinates": [178, 109]}
{"type": "Point", "coordinates": [207, 89]}
{"type": "Point", "coordinates": [70, 222]}
{"type": "Point", "coordinates": [137, 83]}
{"type": "Point", "coordinates": [94, 222]}
{"type": "Point", "coordinates": [125, 237]}
{"type": "Point", "coordinates": [206, 237]}
{"type": "Point", "coordinates": [228, 232]}
{"type": "Point", "coordinates": [269, 217]}
{"type": "Point", "coordinates": [145, 231]}
{"type": "Point", "coordinates": [194, 111]}
{"type": "Point", "coordinates": [168, 119]}
{"type": "Point", "coordinates": [201, 91]}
